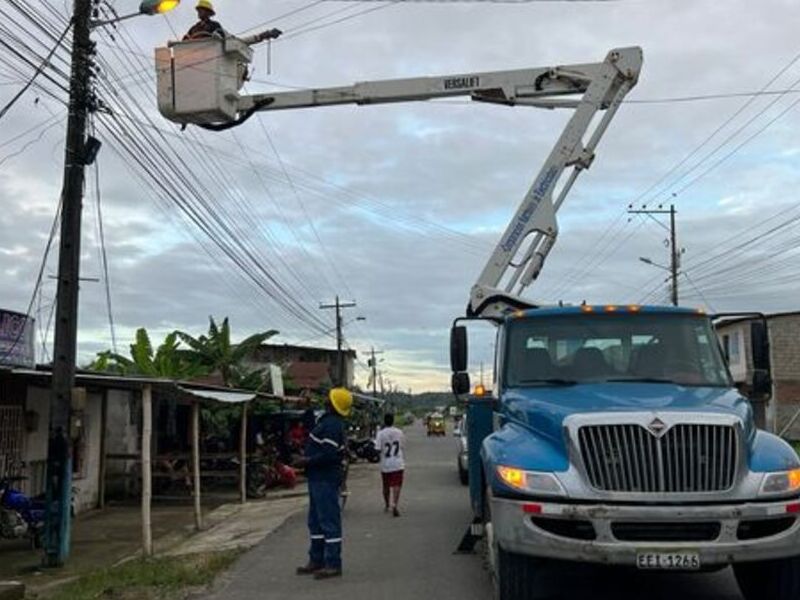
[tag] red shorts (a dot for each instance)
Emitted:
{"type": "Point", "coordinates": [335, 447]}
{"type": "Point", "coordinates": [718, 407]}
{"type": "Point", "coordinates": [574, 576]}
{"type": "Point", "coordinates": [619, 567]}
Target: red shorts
{"type": "Point", "coordinates": [393, 479]}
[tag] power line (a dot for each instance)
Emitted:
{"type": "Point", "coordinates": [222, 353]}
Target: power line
{"type": "Point", "coordinates": [103, 253]}
{"type": "Point", "coordinates": [36, 73]}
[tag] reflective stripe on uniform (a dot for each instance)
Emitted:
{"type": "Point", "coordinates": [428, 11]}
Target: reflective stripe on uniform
{"type": "Point", "coordinates": [334, 541]}
{"type": "Point", "coordinates": [324, 441]}
{"type": "Point", "coordinates": [317, 537]}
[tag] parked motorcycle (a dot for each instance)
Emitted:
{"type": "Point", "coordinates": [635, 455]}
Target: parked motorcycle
{"type": "Point", "coordinates": [363, 449]}
{"type": "Point", "coordinates": [20, 515]}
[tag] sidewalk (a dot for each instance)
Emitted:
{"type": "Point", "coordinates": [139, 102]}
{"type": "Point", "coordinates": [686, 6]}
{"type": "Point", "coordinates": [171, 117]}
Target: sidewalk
{"type": "Point", "coordinates": [104, 538]}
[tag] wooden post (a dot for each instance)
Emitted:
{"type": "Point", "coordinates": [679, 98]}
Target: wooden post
{"type": "Point", "coordinates": [198, 515]}
{"type": "Point", "coordinates": [101, 484]}
{"type": "Point", "coordinates": [243, 456]}
{"type": "Point", "coordinates": [147, 467]}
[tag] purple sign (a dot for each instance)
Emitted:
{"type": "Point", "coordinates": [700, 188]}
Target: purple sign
{"type": "Point", "coordinates": [16, 340]}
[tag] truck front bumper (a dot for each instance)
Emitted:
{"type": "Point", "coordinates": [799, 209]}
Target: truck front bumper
{"type": "Point", "coordinates": [616, 534]}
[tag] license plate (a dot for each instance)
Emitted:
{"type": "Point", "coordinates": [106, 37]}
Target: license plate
{"type": "Point", "coordinates": [668, 561]}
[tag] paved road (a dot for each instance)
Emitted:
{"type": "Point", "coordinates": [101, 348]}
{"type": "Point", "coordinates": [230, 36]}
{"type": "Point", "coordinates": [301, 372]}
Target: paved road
{"type": "Point", "coordinates": [412, 556]}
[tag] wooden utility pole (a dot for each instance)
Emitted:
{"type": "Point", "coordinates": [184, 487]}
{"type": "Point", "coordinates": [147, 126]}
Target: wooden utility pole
{"type": "Point", "coordinates": [373, 363]}
{"type": "Point", "coordinates": [196, 482]}
{"type": "Point", "coordinates": [674, 252]}
{"type": "Point", "coordinates": [674, 255]}
{"type": "Point", "coordinates": [243, 455]}
{"type": "Point", "coordinates": [59, 462]}
{"type": "Point", "coordinates": [340, 374]}
{"type": "Point", "coordinates": [147, 470]}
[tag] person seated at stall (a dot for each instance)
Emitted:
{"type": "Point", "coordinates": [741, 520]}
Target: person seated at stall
{"type": "Point", "coordinates": [297, 437]}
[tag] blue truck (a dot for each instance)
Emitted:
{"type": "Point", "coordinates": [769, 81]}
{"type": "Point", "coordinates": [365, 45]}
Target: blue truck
{"type": "Point", "coordinates": [615, 435]}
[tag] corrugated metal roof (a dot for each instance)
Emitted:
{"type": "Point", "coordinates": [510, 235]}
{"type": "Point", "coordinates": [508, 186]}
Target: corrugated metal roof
{"type": "Point", "coordinates": [198, 391]}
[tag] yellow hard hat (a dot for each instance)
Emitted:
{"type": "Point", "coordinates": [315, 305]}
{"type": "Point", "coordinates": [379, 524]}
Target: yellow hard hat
{"type": "Point", "coordinates": [342, 400]}
{"type": "Point", "coordinates": [207, 5]}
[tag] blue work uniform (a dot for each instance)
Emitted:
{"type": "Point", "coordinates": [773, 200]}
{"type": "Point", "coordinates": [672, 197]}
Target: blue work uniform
{"type": "Point", "coordinates": [324, 451]}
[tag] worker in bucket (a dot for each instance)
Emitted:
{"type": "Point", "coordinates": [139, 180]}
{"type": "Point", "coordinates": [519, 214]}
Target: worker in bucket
{"type": "Point", "coordinates": [206, 27]}
{"type": "Point", "coordinates": [323, 464]}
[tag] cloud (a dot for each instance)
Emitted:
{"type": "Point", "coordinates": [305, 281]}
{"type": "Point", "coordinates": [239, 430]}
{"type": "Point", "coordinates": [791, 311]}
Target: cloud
{"type": "Point", "coordinates": [399, 206]}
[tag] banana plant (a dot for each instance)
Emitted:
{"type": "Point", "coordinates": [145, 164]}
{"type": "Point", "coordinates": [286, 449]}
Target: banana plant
{"type": "Point", "coordinates": [218, 354]}
{"type": "Point", "coordinates": [168, 361]}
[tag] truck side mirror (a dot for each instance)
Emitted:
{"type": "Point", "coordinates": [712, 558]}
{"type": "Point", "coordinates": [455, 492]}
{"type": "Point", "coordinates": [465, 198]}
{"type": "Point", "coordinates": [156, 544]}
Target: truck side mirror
{"type": "Point", "coordinates": [759, 342]}
{"type": "Point", "coordinates": [460, 383]}
{"type": "Point", "coordinates": [762, 384]}
{"type": "Point", "coordinates": [458, 349]}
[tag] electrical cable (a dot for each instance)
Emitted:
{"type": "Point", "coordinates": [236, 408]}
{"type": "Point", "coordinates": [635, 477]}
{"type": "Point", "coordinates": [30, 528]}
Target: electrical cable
{"type": "Point", "coordinates": [103, 253]}
{"type": "Point", "coordinates": [36, 73]}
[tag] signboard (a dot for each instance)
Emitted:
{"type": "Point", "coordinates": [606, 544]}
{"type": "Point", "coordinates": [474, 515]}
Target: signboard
{"type": "Point", "coordinates": [16, 340]}
{"type": "Point", "coordinates": [276, 377]}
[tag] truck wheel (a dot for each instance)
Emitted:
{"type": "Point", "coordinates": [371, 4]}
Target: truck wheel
{"type": "Point", "coordinates": [463, 476]}
{"type": "Point", "coordinates": [769, 580]}
{"type": "Point", "coordinates": [517, 576]}
{"type": "Point", "coordinates": [514, 576]}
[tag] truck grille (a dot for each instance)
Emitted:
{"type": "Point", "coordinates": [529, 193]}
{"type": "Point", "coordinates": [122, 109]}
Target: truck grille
{"type": "Point", "coordinates": [687, 458]}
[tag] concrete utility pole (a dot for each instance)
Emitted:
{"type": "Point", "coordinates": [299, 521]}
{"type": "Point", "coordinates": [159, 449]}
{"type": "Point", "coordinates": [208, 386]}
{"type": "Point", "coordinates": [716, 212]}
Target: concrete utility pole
{"type": "Point", "coordinates": [340, 376]}
{"type": "Point", "coordinates": [59, 463]}
{"type": "Point", "coordinates": [373, 363]}
{"type": "Point", "coordinates": [675, 254]}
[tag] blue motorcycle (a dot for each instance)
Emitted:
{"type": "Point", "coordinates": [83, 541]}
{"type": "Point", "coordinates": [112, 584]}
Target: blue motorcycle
{"type": "Point", "coordinates": [20, 515]}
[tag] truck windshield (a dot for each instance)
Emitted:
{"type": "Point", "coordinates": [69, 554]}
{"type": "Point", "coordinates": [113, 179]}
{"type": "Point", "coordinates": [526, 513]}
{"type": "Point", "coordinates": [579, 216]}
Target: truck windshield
{"type": "Point", "coordinates": [626, 347]}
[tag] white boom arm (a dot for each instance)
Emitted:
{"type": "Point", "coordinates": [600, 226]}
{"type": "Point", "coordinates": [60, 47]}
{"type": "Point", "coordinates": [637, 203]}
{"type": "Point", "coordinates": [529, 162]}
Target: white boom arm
{"type": "Point", "coordinates": [198, 83]}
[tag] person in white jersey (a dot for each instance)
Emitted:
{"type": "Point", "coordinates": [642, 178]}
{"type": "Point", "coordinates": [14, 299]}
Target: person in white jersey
{"type": "Point", "coordinates": [391, 443]}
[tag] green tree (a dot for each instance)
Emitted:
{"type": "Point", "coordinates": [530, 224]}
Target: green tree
{"type": "Point", "coordinates": [168, 360]}
{"type": "Point", "coordinates": [218, 355]}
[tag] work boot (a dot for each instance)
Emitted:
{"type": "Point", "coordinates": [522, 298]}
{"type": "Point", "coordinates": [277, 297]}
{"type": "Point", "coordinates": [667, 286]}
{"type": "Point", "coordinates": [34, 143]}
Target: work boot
{"type": "Point", "coordinates": [327, 573]}
{"type": "Point", "coordinates": [308, 569]}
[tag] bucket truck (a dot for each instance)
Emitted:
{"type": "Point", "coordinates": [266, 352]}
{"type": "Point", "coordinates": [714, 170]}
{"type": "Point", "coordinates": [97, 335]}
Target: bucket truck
{"type": "Point", "coordinates": [612, 434]}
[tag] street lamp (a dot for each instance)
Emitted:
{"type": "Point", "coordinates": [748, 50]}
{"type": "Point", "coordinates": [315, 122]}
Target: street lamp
{"type": "Point", "coordinates": [157, 7]}
{"type": "Point", "coordinates": [647, 261]}
{"type": "Point", "coordinates": [147, 7]}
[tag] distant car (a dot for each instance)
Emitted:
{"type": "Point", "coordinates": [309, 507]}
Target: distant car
{"type": "Point", "coordinates": [436, 425]}
{"type": "Point", "coordinates": [462, 459]}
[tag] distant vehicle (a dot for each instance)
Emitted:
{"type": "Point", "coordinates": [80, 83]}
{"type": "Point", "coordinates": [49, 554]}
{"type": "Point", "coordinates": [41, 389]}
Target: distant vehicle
{"type": "Point", "coordinates": [462, 458]}
{"type": "Point", "coordinates": [436, 425]}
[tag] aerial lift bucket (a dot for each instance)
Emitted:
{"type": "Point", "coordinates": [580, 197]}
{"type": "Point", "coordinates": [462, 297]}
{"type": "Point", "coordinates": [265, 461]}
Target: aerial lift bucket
{"type": "Point", "coordinates": [199, 80]}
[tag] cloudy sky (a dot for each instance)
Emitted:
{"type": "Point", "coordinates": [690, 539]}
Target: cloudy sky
{"type": "Point", "coordinates": [397, 207]}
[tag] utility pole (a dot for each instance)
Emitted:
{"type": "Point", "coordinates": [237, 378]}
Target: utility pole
{"type": "Point", "coordinates": [373, 363]}
{"type": "Point", "coordinates": [59, 460]}
{"type": "Point", "coordinates": [340, 375]}
{"type": "Point", "coordinates": [675, 254]}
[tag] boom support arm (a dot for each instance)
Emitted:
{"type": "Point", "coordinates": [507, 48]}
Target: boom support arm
{"type": "Point", "coordinates": [199, 82]}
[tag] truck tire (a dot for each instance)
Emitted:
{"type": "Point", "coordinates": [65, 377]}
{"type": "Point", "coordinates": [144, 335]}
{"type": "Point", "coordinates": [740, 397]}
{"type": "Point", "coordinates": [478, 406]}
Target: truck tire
{"type": "Point", "coordinates": [514, 576]}
{"type": "Point", "coordinates": [769, 580]}
{"type": "Point", "coordinates": [518, 576]}
{"type": "Point", "coordinates": [463, 475]}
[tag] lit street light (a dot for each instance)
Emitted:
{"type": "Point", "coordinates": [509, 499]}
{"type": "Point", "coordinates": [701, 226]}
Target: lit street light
{"type": "Point", "coordinates": [147, 7]}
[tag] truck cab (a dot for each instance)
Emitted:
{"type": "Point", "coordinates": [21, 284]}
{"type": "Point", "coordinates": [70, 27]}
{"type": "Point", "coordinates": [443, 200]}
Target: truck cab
{"type": "Point", "coordinates": [614, 435]}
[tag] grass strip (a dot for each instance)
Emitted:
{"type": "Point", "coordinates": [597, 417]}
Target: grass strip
{"type": "Point", "coordinates": [162, 577]}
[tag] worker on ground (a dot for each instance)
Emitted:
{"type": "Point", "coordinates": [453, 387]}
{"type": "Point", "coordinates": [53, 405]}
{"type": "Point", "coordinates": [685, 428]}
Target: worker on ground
{"type": "Point", "coordinates": [323, 464]}
{"type": "Point", "coordinates": [391, 443]}
{"type": "Point", "coordinates": [205, 26]}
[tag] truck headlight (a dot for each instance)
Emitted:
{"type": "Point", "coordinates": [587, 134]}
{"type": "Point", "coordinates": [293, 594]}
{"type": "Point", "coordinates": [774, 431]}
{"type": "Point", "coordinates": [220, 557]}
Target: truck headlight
{"type": "Point", "coordinates": [783, 482]}
{"type": "Point", "coordinates": [534, 482]}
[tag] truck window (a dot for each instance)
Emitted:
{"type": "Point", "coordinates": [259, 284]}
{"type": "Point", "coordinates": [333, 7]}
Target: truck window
{"type": "Point", "coordinates": [590, 348]}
